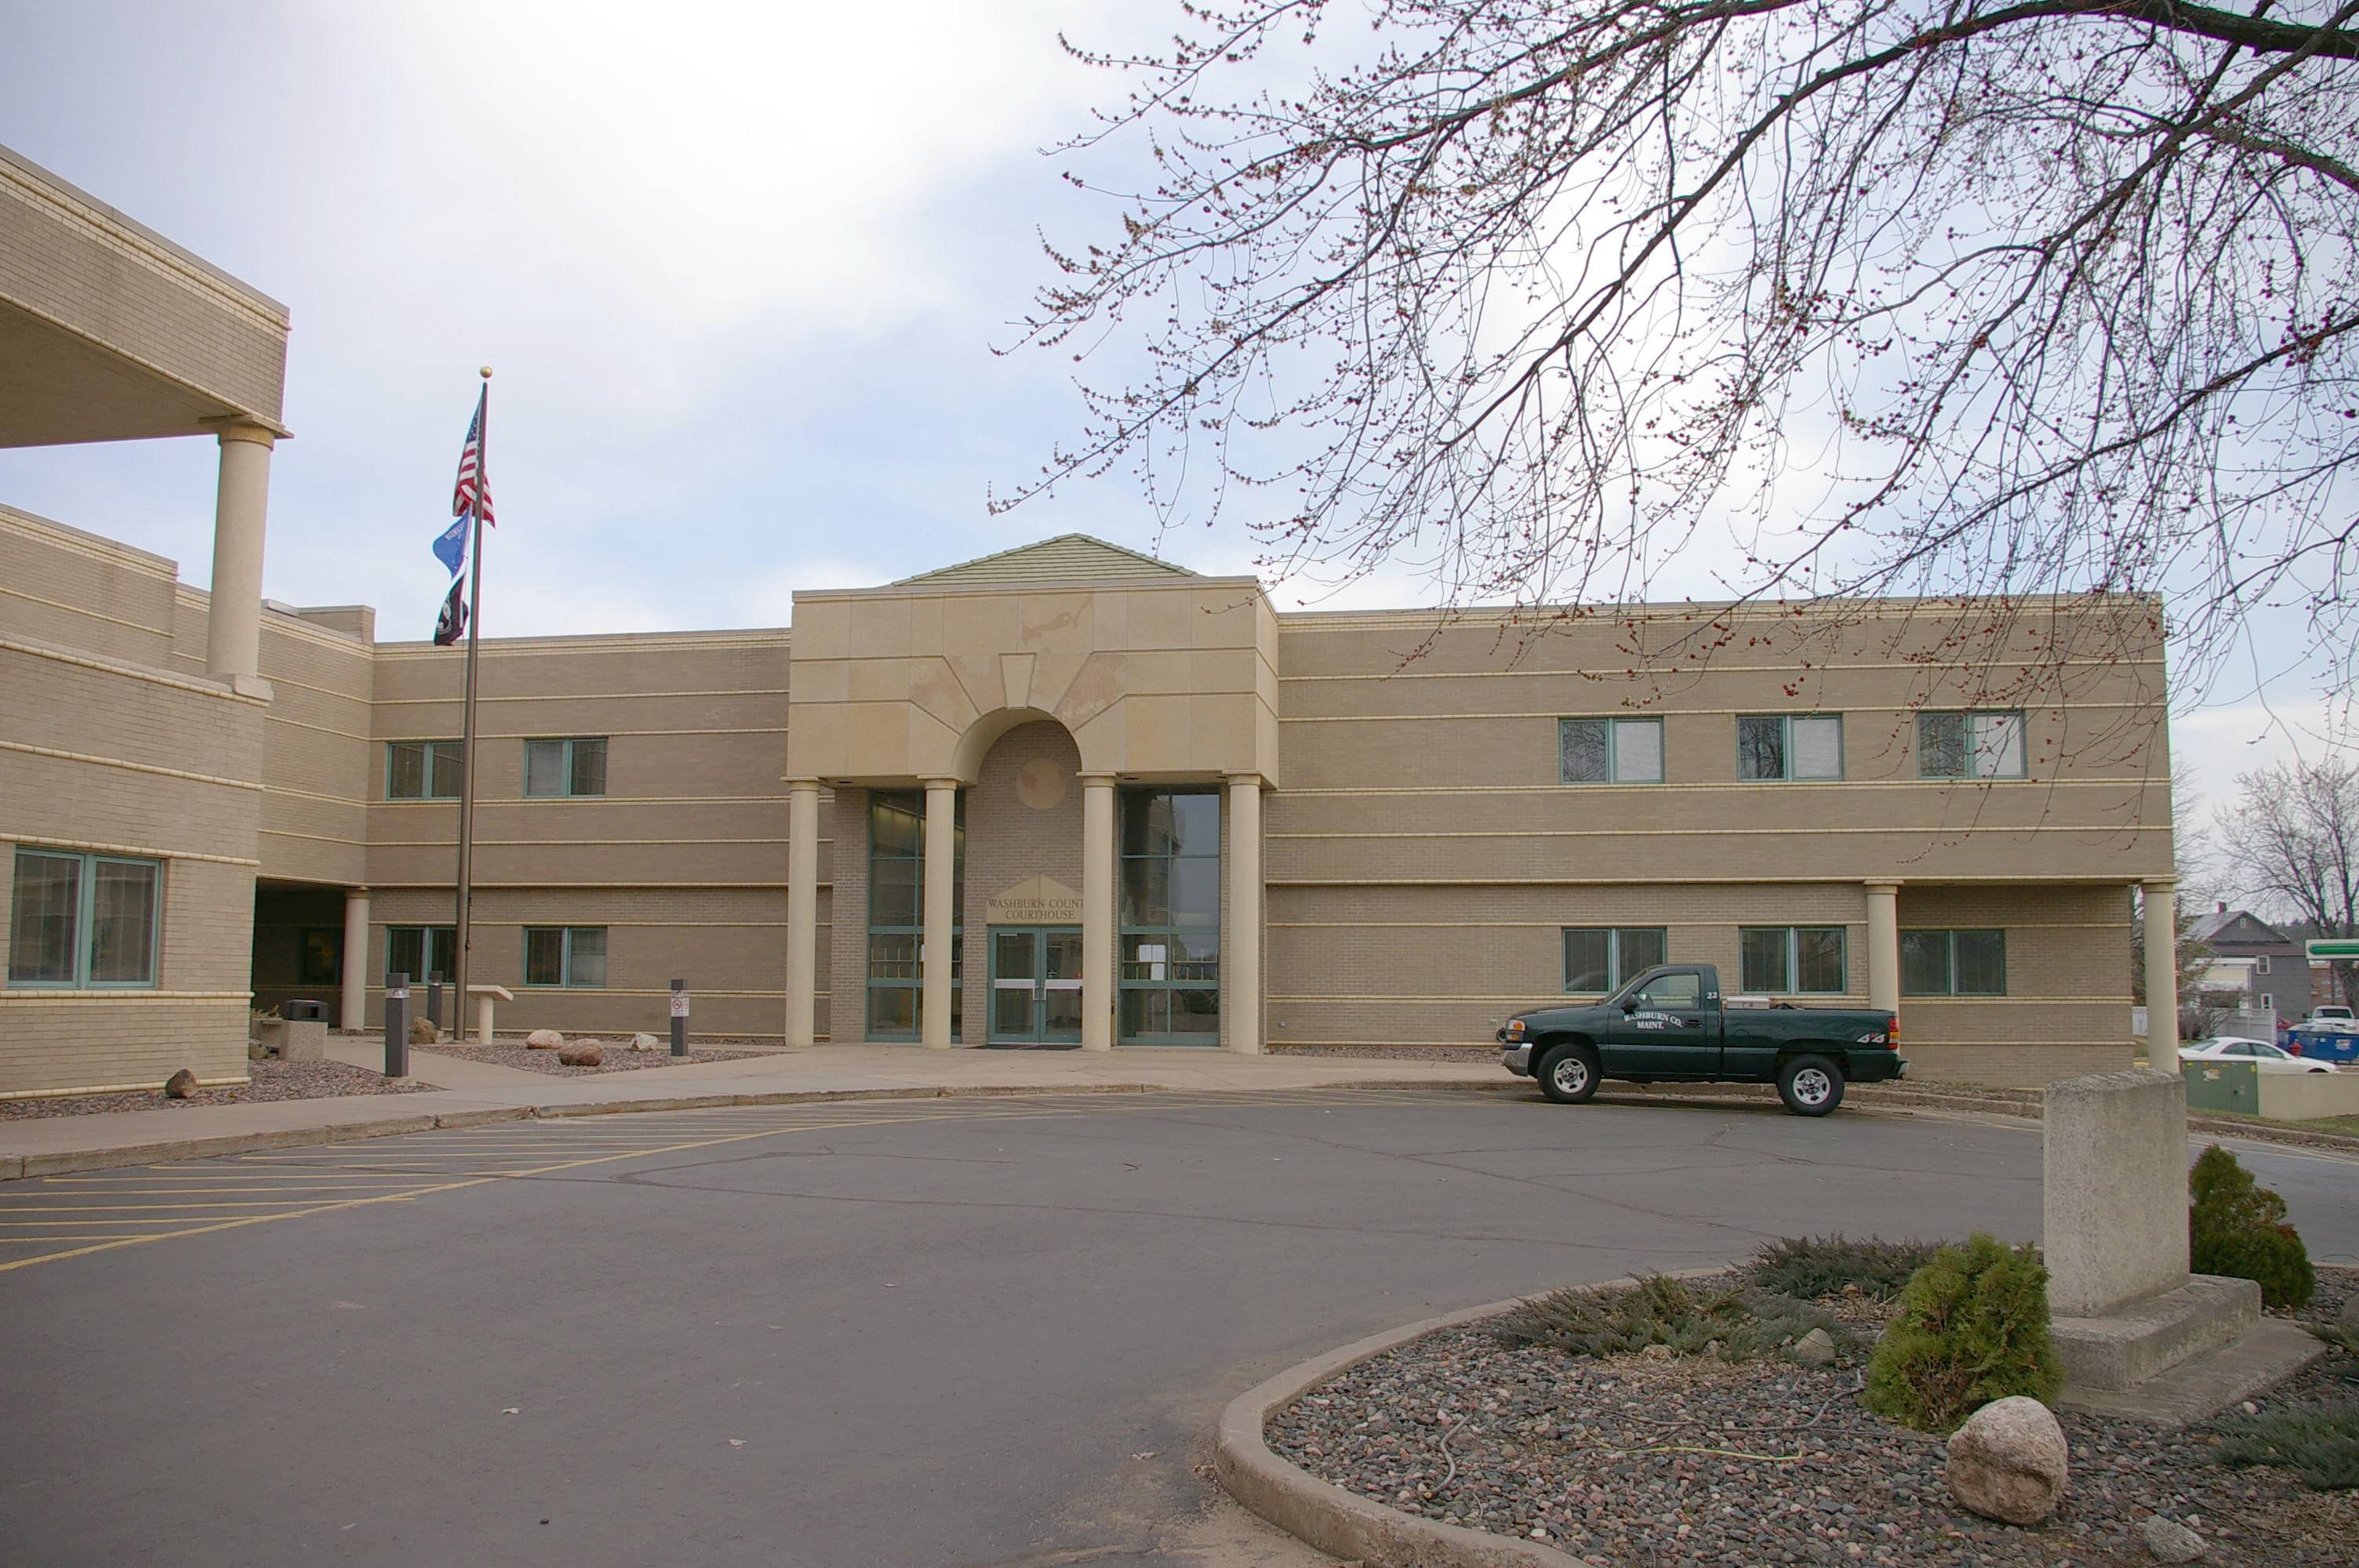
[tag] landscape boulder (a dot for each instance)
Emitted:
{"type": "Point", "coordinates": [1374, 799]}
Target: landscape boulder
{"type": "Point", "coordinates": [2009, 1462]}
{"type": "Point", "coordinates": [180, 1084]}
{"type": "Point", "coordinates": [544, 1040]}
{"type": "Point", "coordinates": [645, 1042]}
{"type": "Point", "coordinates": [1816, 1349]}
{"type": "Point", "coordinates": [423, 1032]}
{"type": "Point", "coordinates": [581, 1054]}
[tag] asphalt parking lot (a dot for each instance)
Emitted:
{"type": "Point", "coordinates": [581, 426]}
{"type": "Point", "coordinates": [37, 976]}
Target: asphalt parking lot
{"type": "Point", "coordinates": [903, 1333]}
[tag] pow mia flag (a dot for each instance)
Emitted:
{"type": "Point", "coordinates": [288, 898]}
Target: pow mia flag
{"type": "Point", "coordinates": [451, 624]}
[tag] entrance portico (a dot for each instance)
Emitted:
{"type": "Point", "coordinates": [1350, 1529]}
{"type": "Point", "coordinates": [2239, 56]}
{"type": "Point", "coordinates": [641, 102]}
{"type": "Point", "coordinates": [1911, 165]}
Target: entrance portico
{"type": "Point", "coordinates": [1012, 746]}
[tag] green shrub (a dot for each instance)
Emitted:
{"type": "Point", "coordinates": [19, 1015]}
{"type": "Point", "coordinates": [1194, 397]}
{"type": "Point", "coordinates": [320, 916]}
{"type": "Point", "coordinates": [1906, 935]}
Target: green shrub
{"type": "Point", "coordinates": [1811, 1266]}
{"type": "Point", "coordinates": [2320, 1446]}
{"type": "Point", "coordinates": [1972, 1327]}
{"type": "Point", "coordinates": [2237, 1228]}
{"type": "Point", "coordinates": [1621, 1319]}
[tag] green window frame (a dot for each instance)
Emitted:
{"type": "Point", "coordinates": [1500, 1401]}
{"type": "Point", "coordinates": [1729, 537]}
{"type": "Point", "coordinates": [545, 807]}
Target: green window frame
{"type": "Point", "coordinates": [565, 956]}
{"type": "Point", "coordinates": [1793, 960]}
{"type": "Point", "coordinates": [897, 915]}
{"type": "Point", "coordinates": [407, 951]}
{"type": "Point", "coordinates": [1613, 954]}
{"type": "Point", "coordinates": [566, 769]}
{"type": "Point", "coordinates": [1790, 746]}
{"type": "Point", "coordinates": [1960, 962]}
{"type": "Point", "coordinates": [1977, 744]}
{"type": "Point", "coordinates": [1609, 750]}
{"type": "Point", "coordinates": [1169, 880]}
{"type": "Point", "coordinates": [424, 770]}
{"type": "Point", "coordinates": [84, 921]}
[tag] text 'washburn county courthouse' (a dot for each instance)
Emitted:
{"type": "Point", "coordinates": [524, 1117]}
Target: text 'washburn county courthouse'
{"type": "Point", "coordinates": [1139, 806]}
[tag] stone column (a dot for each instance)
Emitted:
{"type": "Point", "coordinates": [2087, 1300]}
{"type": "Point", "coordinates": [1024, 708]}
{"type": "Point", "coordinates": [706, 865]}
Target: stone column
{"type": "Point", "coordinates": [934, 956]}
{"type": "Point", "coordinates": [1883, 945]}
{"type": "Point", "coordinates": [802, 911]}
{"type": "Point", "coordinates": [1241, 943]}
{"type": "Point", "coordinates": [233, 619]}
{"type": "Point", "coordinates": [1100, 986]}
{"type": "Point", "coordinates": [352, 1007]}
{"type": "Point", "coordinates": [2162, 975]}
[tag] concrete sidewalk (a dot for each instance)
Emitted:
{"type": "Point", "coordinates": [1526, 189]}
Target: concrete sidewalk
{"type": "Point", "coordinates": [48, 1146]}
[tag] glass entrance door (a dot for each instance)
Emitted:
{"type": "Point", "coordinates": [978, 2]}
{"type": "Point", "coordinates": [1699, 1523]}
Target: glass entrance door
{"type": "Point", "coordinates": [1036, 985]}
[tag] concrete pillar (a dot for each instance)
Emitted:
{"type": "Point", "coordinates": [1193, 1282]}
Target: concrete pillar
{"type": "Point", "coordinates": [1101, 985]}
{"type": "Point", "coordinates": [1241, 943]}
{"type": "Point", "coordinates": [2162, 975]}
{"type": "Point", "coordinates": [352, 1007]}
{"type": "Point", "coordinates": [934, 957]}
{"type": "Point", "coordinates": [233, 619]}
{"type": "Point", "coordinates": [802, 911]}
{"type": "Point", "coordinates": [1883, 945]}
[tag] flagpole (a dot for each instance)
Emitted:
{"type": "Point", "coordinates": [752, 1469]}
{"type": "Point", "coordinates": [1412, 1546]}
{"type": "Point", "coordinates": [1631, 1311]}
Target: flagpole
{"type": "Point", "coordinates": [467, 736]}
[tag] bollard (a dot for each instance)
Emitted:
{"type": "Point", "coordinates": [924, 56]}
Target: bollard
{"type": "Point", "coordinates": [397, 1025]}
{"type": "Point", "coordinates": [434, 999]}
{"type": "Point", "coordinates": [679, 1018]}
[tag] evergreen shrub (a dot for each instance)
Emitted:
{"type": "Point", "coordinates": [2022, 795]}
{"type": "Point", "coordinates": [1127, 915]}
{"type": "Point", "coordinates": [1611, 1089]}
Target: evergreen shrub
{"type": "Point", "coordinates": [1972, 1327]}
{"type": "Point", "coordinates": [1619, 1320]}
{"type": "Point", "coordinates": [2238, 1228]}
{"type": "Point", "coordinates": [1818, 1266]}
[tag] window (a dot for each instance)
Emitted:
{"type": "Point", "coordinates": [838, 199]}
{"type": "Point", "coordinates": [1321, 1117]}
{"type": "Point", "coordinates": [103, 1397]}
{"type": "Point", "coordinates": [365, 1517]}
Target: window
{"type": "Point", "coordinates": [84, 921]}
{"type": "Point", "coordinates": [1170, 917]}
{"type": "Point", "coordinates": [554, 769]}
{"type": "Point", "coordinates": [1970, 745]}
{"type": "Point", "coordinates": [1794, 960]}
{"type": "Point", "coordinates": [1674, 993]}
{"type": "Point", "coordinates": [896, 912]}
{"type": "Point", "coordinates": [565, 956]}
{"type": "Point", "coordinates": [1953, 963]}
{"type": "Point", "coordinates": [1601, 959]}
{"type": "Point", "coordinates": [423, 770]}
{"type": "Point", "coordinates": [2268, 1002]}
{"type": "Point", "coordinates": [322, 956]}
{"type": "Point", "coordinates": [2261, 964]}
{"type": "Point", "coordinates": [422, 951]}
{"type": "Point", "coordinates": [1610, 751]}
{"type": "Point", "coordinates": [1790, 746]}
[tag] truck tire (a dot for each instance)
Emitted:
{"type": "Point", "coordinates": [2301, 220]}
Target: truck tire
{"type": "Point", "coordinates": [1811, 1086]}
{"type": "Point", "coordinates": [1568, 1075]}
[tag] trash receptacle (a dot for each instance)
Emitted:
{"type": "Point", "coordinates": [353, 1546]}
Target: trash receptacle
{"type": "Point", "coordinates": [316, 1011]}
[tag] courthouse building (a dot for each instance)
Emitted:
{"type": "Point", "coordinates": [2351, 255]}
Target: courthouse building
{"type": "Point", "coordinates": [1066, 795]}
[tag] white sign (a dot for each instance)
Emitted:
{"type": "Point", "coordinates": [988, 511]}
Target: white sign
{"type": "Point", "coordinates": [680, 1004]}
{"type": "Point", "coordinates": [2137, 1022]}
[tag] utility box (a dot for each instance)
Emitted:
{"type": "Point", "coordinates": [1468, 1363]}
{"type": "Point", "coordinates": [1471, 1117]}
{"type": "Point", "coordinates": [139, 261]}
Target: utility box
{"type": "Point", "coordinates": [2233, 1086]}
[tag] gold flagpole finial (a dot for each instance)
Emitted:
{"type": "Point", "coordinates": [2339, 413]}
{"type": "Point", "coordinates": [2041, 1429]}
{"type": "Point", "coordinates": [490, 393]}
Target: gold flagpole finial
{"type": "Point", "coordinates": [486, 372]}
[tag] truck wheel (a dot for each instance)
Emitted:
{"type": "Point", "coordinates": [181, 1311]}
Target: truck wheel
{"type": "Point", "coordinates": [1568, 1075]}
{"type": "Point", "coordinates": [1811, 1086]}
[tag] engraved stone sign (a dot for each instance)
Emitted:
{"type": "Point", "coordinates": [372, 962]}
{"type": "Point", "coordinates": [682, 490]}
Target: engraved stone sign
{"type": "Point", "coordinates": [1035, 900]}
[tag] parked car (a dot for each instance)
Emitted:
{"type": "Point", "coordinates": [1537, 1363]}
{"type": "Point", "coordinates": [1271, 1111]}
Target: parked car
{"type": "Point", "coordinates": [2268, 1058]}
{"type": "Point", "coordinates": [1670, 1025]}
{"type": "Point", "coordinates": [2331, 1011]}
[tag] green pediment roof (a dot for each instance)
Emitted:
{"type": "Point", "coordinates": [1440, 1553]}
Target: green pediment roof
{"type": "Point", "coordinates": [1069, 558]}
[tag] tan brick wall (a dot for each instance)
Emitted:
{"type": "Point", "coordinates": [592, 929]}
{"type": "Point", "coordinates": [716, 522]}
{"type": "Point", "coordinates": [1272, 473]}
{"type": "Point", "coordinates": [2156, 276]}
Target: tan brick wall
{"type": "Point", "coordinates": [104, 1040]}
{"type": "Point", "coordinates": [61, 586]}
{"type": "Point", "coordinates": [91, 273]}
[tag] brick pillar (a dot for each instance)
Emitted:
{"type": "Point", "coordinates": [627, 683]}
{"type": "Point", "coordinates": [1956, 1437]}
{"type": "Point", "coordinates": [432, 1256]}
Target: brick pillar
{"type": "Point", "coordinates": [802, 911]}
{"type": "Point", "coordinates": [934, 956]}
{"type": "Point", "coordinates": [1100, 931]}
{"type": "Point", "coordinates": [1241, 944]}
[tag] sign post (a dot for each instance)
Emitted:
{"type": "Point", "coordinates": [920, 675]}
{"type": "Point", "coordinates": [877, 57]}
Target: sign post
{"type": "Point", "coordinates": [679, 1018]}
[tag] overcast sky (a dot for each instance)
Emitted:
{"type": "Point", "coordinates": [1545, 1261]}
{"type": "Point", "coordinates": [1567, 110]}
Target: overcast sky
{"type": "Point", "coordinates": [740, 271]}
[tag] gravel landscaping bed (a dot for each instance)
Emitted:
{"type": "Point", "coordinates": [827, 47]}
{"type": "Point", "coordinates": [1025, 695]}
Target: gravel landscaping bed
{"type": "Point", "coordinates": [620, 1057]}
{"type": "Point", "coordinates": [1640, 1460]}
{"type": "Point", "coordinates": [271, 1080]}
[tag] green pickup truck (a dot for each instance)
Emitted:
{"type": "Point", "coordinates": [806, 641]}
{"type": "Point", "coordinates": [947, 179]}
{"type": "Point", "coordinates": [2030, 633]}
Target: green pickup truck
{"type": "Point", "coordinates": [1670, 1025]}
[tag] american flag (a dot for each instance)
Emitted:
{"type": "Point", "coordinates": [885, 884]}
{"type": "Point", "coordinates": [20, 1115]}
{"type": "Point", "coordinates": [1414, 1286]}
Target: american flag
{"type": "Point", "coordinates": [471, 481]}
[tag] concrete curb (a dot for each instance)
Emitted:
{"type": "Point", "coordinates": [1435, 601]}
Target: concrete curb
{"type": "Point", "coordinates": [1345, 1524]}
{"type": "Point", "coordinates": [71, 1161]}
